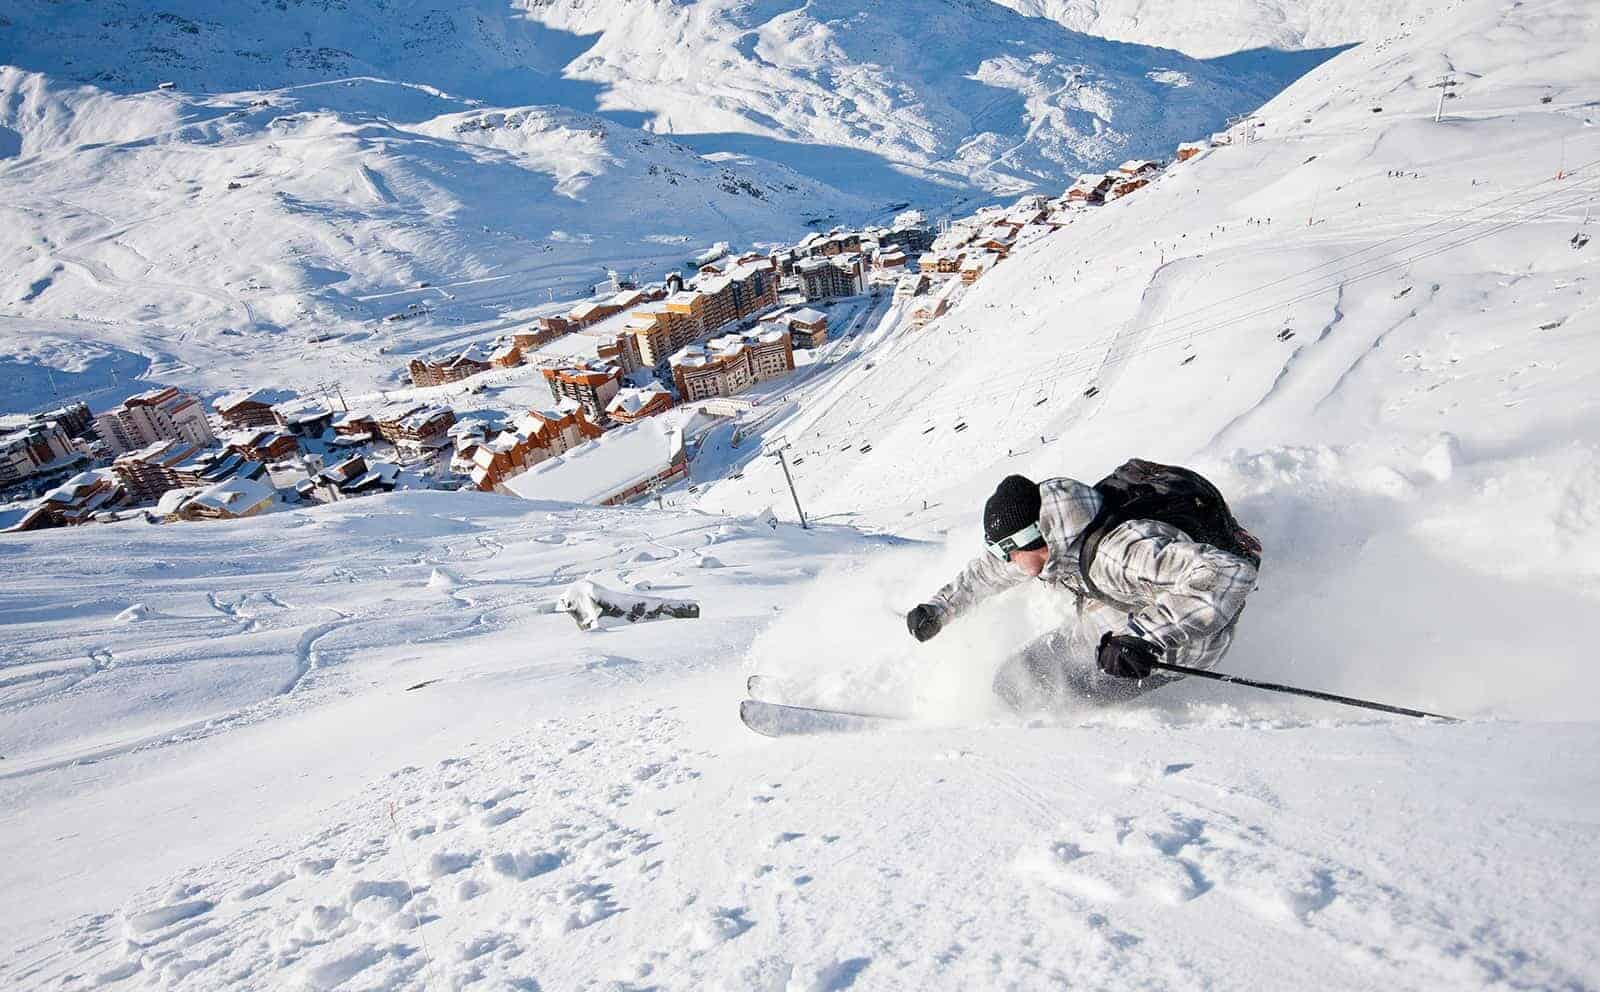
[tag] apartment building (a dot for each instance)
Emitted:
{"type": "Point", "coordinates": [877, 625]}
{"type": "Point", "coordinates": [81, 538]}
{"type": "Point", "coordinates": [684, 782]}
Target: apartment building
{"type": "Point", "coordinates": [152, 416]}
{"type": "Point", "coordinates": [591, 384]}
{"type": "Point", "coordinates": [729, 364]}
{"type": "Point", "coordinates": [808, 328]}
{"type": "Point", "coordinates": [38, 447]}
{"type": "Point", "coordinates": [840, 275]}
{"type": "Point", "coordinates": [171, 464]}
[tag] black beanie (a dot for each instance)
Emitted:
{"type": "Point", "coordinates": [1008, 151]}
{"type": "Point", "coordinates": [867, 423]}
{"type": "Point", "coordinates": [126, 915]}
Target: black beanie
{"type": "Point", "coordinates": [1014, 505]}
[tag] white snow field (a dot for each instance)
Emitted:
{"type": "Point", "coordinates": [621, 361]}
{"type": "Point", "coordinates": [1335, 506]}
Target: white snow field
{"type": "Point", "coordinates": [1242, 28]}
{"type": "Point", "coordinates": [217, 773]}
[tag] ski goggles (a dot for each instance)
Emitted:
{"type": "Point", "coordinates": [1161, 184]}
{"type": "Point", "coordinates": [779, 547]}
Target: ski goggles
{"type": "Point", "coordinates": [1002, 548]}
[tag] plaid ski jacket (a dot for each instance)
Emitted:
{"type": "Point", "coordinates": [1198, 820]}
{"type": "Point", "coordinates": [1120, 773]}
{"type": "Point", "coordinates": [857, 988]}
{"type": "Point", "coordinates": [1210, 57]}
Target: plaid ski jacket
{"type": "Point", "coordinates": [1186, 594]}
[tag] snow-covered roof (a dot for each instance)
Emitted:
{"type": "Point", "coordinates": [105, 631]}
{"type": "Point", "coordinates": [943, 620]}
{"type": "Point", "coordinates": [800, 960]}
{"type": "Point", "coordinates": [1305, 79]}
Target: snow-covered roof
{"type": "Point", "coordinates": [228, 401]}
{"type": "Point", "coordinates": [631, 401]}
{"type": "Point", "coordinates": [173, 499]}
{"type": "Point", "coordinates": [806, 315]}
{"type": "Point", "coordinates": [420, 418]}
{"type": "Point", "coordinates": [714, 285]}
{"type": "Point", "coordinates": [69, 491]}
{"type": "Point", "coordinates": [599, 470]}
{"type": "Point", "coordinates": [237, 496]}
{"type": "Point", "coordinates": [980, 260]}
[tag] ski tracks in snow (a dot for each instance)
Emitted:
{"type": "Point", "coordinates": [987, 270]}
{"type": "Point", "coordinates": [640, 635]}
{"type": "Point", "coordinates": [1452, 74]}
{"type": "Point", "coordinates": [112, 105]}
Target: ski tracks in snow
{"type": "Point", "coordinates": [483, 866]}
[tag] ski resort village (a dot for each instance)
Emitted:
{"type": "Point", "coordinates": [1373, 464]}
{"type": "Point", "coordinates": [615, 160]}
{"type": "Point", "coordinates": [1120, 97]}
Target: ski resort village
{"type": "Point", "coordinates": [934, 494]}
{"type": "Point", "coordinates": [714, 346]}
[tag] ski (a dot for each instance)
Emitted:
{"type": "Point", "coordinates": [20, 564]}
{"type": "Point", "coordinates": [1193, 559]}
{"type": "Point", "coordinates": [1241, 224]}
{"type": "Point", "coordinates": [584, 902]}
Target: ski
{"type": "Point", "coordinates": [778, 720]}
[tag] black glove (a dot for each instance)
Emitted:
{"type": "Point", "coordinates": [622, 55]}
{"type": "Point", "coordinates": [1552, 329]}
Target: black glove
{"type": "Point", "coordinates": [923, 622]}
{"type": "Point", "coordinates": [1126, 656]}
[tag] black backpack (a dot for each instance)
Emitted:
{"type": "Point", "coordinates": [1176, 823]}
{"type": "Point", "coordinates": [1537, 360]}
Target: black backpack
{"type": "Point", "coordinates": [1142, 490]}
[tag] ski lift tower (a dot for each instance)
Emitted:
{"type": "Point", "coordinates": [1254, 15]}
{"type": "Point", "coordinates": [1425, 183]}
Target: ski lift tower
{"type": "Point", "coordinates": [1444, 86]}
{"type": "Point", "coordinates": [1242, 122]}
{"type": "Point", "coordinates": [774, 448]}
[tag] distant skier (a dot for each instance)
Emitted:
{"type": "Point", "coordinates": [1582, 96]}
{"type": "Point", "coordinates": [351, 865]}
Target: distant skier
{"type": "Point", "coordinates": [1155, 565]}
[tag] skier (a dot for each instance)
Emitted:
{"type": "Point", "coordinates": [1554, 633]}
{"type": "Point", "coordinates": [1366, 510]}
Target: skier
{"type": "Point", "coordinates": [1154, 563]}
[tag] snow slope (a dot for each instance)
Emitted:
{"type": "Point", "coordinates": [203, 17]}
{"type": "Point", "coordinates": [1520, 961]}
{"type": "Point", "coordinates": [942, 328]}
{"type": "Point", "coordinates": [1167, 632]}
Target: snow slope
{"type": "Point", "coordinates": [1390, 377]}
{"type": "Point", "coordinates": [217, 775]}
{"type": "Point", "coordinates": [965, 93]}
{"type": "Point", "coordinates": [225, 239]}
{"type": "Point", "coordinates": [1208, 31]}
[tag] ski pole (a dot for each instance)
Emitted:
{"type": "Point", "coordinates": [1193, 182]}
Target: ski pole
{"type": "Point", "coordinates": [1312, 693]}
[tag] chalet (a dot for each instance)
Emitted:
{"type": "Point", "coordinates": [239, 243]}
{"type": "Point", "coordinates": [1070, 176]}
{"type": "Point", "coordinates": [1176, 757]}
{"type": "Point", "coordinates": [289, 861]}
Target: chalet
{"type": "Point", "coordinates": [977, 266]}
{"type": "Point", "coordinates": [550, 328]}
{"type": "Point", "coordinates": [1189, 149]}
{"type": "Point", "coordinates": [508, 355]}
{"type": "Point", "coordinates": [591, 312]}
{"type": "Point", "coordinates": [309, 422]}
{"type": "Point", "coordinates": [75, 501]}
{"type": "Point", "coordinates": [1138, 167]}
{"type": "Point", "coordinates": [632, 405]}
{"type": "Point", "coordinates": [233, 499]}
{"type": "Point", "coordinates": [999, 240]}
{"type": "Point", "coordinates": [809, 328]}
{"type": "Point", "coordinates": [419, 431]}
{"type": "Point", "coordinates": [907, 286]}
{"type": "Point", "coordinates": [930, 309]}
{"type": "Point", "coordinates": [1031, 211]}
{"type": "Point", "coordinates": [264, 444]}
{"type": "Point", "coordinates": [245, 409]}
{"type": "Point", "coordinates": [1091, 189]}
{"type": "Point", "coordinates": [449, 366]}
{"type": "Point", "coordinates": [893, 258]}
{"type": "Point", "coordinates": [1128, 186]}
{"type": "Point", "coordinates": [944, 262]}
{"type": "Point", "coordinates": [355, 476]}
{"type": "Point", "coordinates": [354, 427]}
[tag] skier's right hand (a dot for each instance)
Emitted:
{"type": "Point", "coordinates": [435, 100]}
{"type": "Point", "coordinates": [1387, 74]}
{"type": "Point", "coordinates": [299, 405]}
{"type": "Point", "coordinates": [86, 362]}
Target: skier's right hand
{"type": "Point", "coordinates": [923, 622]}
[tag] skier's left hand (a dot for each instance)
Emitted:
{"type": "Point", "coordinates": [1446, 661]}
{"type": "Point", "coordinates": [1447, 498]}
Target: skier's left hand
{"type": "Point", "coordinates": [1126, 656]}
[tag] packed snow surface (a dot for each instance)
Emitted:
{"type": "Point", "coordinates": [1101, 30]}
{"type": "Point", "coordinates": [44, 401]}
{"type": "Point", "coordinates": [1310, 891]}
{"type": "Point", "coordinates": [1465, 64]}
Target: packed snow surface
{"type": "Point", "coordinates": [356, 747]}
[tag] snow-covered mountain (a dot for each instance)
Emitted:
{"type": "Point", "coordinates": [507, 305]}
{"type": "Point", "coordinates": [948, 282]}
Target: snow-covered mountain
{"type": "Point", "coordinates": [1208, 30]}
{"type": "Point", "coordinates": [879, 95]}
{"type": "Point", "coordinates": [313, 165]}
{"type": "Point", "coordinates": [216, 237]}
{"type": "Point", "coordinates": [353, 747]}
